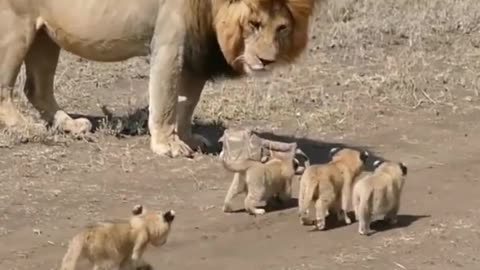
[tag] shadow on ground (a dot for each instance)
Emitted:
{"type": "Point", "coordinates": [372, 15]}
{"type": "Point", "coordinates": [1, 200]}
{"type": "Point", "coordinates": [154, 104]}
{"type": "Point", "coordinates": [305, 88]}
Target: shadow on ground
{"type": "Point", "coordinates": [403, 222]}
{"type": "Point", "coordinates": [318, 151]}
{"type": "Point", "coordinates": [136, 124]}
{"type": "Point", "coordinates": [331, 223]}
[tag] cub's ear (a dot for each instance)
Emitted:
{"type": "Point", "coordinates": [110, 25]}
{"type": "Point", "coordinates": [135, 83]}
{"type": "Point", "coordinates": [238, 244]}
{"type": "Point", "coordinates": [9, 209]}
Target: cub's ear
{"type": "Point", "coordinates": [364, 156]}
{"type": "Point", "coordinates": [137, 210]}
{"type": "Point", "coordinates": [403, 168]}
{"type": "Point", "coordinates": [377, 163]}
{"type": "Point", "coordinates": [169, 216]}
{"type": "Point", "coordinates": [333, 151]}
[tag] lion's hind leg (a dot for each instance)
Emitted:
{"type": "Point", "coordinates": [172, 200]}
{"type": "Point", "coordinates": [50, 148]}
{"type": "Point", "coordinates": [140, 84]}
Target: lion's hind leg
{"type": "Point", "coordinates": [41, 63]}
{"type": "Point", "coordinates": [16, 36]}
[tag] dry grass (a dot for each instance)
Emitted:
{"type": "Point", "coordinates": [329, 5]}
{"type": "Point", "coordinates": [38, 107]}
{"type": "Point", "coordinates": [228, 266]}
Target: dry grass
{"type": "Point", "coordinates": [393, 55]}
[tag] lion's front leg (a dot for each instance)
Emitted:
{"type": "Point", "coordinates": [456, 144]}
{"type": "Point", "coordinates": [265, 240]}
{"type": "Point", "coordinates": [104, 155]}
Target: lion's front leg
{"type": "Point", "coordinates": [189, 94]}
{"type": "Point", "coordinates": [165, 72]}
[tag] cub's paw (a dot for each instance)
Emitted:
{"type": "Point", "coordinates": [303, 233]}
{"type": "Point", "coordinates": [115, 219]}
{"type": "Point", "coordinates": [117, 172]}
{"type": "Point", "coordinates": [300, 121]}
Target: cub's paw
{"type": "Point", "coordinates": [227, 208]}
{"type": "Point", "coordinates": [320, 224]}
{"type": "Point", "coordinates": [347, 220]}
{"type": "Point", "coordinates": [258, 212]}
{"type": "Point", "coordinates": [365, 232]}
{"type": "Point", "coordinates": [64, 123]}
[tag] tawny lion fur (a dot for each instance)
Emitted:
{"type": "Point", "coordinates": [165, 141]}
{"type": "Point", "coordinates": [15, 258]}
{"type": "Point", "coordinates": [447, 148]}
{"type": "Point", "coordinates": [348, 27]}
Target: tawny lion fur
{"type": "Point", "coordinates": [329, 186]}
{"type": "Point", "coordinates": [119, 244]}
{"type": "Point", "coordinates": [379, 194]}
{"type": "Point", "coordinates": [188, 42]}
{"type": "Point", "coordinates": [262, 180]}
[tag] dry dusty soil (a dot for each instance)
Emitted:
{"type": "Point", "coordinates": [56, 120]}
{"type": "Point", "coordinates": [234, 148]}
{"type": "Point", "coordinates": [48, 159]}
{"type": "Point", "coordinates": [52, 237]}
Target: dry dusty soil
{"type": "Point", "coordinates": [399, 78]}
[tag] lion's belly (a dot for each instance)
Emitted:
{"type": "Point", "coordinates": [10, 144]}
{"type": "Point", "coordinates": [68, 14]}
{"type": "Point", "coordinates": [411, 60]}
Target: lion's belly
{"type": "Point", "coordinates": [107, 30]}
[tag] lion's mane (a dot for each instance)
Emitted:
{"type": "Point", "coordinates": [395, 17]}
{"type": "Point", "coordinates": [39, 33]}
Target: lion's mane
{"type": "Point", "coordinates": [210, 20]}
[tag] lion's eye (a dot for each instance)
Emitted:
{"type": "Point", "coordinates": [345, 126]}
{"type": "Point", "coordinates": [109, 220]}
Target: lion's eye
{"type": "Point", "coordinates": [282, 28]}
{"type": "Point", "coordinates": [254, 24]}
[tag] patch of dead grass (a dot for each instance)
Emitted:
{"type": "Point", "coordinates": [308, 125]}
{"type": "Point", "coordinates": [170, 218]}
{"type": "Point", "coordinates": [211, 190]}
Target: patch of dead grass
{"type": "Point", "coordinates": [363, 53]}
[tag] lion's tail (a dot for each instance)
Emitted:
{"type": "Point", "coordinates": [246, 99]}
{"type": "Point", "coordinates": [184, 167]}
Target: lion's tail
{"type": "Point", "coordinates": [73, 253]}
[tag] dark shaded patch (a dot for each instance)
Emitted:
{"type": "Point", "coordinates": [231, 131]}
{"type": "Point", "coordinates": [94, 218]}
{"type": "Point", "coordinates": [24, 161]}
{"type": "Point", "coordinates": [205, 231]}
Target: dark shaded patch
{"type": "Point", "coordinates": [136, 124]}
{"type": "Point", "coordinates": [318, 151]}
{"type": "Point", "coordinates": [403, 221]}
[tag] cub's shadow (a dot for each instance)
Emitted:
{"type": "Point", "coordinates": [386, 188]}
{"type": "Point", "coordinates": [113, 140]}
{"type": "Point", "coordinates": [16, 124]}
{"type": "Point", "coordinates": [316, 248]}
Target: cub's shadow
{"type": "Point", "coordinates": [376, 226]}
{"type": "Point", "coordinates": [403, 221]}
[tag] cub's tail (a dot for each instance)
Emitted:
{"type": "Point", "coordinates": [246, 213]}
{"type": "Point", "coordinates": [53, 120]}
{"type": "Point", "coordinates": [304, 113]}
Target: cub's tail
{"type": "Point", "coordinates": [306, 192]}
{"type": "Point", "coordinates": [364, 202]}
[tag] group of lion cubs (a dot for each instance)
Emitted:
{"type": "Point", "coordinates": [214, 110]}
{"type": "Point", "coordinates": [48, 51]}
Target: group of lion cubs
{"type": "Point", "coordinates": [264, 170]}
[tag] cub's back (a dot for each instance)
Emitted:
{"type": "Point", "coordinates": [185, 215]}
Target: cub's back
{"type": "Point", "coordinates": [103, 238]}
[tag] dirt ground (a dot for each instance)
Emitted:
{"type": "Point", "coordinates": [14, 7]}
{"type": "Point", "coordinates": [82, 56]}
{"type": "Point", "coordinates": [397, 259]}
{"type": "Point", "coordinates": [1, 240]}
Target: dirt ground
{"type": "Point", "coordinates": [399, 78]}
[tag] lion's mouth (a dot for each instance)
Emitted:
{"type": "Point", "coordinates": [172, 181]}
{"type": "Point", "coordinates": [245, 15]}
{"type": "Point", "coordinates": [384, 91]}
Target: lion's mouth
{"type": "Point", "coordinates": [255, 69]}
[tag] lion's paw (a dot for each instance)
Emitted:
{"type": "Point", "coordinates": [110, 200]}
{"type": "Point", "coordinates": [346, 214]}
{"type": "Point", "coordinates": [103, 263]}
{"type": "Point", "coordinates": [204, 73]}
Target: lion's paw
{"type": "Point", "coordinates": [172, 147]}
{"type": "Point", "coordinates": [10, 116]}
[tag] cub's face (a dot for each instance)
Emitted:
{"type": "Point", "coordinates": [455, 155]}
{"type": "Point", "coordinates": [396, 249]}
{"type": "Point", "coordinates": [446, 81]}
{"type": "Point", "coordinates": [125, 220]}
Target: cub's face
{"type": "Point", "coordinates": [267, 32]}
{"type": "Point", "coordinates": [159, 226]}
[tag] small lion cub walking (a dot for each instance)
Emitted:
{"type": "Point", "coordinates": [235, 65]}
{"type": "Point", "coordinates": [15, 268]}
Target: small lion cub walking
{"type": "Point", "coordinates": [119, 244]}
{"type": "Point", "coordinates": [329, 186]}
{"type": "Point", "coordinates": [379, 194]}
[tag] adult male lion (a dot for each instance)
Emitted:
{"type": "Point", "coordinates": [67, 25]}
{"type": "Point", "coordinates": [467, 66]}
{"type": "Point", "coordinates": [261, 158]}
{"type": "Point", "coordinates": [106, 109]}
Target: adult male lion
{"type": "Point", "coordinates": [189, 42]}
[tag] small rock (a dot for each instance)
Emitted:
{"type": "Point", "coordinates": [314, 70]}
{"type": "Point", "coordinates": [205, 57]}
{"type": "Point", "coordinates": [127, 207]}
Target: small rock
{"type": "Point", "coordinates": [56, 192]}
{"type": "Point", "coordinates": [37, 231]}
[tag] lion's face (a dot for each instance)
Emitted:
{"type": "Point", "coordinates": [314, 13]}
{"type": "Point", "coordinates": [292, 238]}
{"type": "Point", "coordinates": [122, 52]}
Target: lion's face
{"type": "Point", "coordinates": [255, 35]}
{"type": "Point", "coordinates": [267, 34]}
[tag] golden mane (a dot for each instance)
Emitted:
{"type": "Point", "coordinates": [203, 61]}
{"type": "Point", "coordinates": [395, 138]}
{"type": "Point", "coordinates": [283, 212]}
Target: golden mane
{"type": "Point", "coordinates": [214, 34]}
{"type": "Point", "coordinates": [301, 11]}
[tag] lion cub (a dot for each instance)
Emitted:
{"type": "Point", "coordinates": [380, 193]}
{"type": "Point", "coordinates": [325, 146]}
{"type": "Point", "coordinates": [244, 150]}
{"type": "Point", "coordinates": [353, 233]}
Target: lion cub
{"type": "Point", "coordinates": [119, 244]}
{"type": "Point", "coordinates": [262, 180]}
{"type": "Point", "coordinates": [329, 186]}
{"type": "Point", "coordinates": [379, 194]}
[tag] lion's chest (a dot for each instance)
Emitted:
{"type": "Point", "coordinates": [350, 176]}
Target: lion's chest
{"type": "Point", "coordinates": [102, 30]}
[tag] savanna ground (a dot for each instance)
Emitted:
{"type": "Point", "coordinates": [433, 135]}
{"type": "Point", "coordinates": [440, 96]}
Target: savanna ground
{"type": "Point", "coordinates": [397, 77]}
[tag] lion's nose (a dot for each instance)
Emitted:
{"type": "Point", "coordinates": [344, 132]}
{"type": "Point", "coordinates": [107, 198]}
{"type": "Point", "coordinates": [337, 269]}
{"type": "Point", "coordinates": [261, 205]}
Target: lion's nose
{"type": "Point", "coordinates": [266, 62]}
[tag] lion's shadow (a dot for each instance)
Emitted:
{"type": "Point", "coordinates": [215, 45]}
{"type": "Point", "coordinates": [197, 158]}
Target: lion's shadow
{"type": "Point", "coordinates": [135, 124]}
